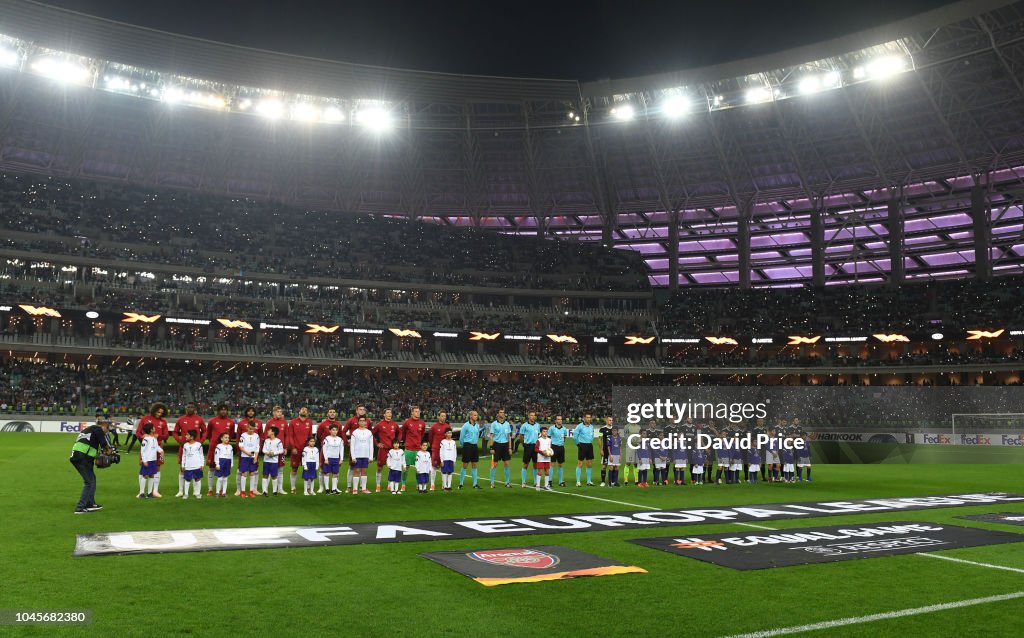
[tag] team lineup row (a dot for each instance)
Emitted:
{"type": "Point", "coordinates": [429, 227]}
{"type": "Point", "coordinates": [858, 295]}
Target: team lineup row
{"type": "Point", "coordinates": [319, 453]}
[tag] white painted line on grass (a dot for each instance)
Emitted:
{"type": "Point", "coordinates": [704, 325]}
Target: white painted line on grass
{"type": "Point", "coordinates": [757, 526]}
{"type": "Point", "coordinates": [842, 622]}
{"type": "Point", "coordinates": [598, 498]}
{"type": "Point", "coordinates": [971, 562]}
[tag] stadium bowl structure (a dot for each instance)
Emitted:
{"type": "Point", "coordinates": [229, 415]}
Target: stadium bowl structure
{"type": "Point", "coordinates": [890, 154]}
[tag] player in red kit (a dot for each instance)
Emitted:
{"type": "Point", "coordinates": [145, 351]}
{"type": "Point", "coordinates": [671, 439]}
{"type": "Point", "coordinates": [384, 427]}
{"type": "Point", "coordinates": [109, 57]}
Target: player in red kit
{"type": "Point", "coordinates": [218, 425]}
{"type": "Point", "coordinates": [278, 420]}
{"type": "Point", "coordinates": [296, 437]}
{"type": "Point", "coordinates": [189, 421]}
{"type": "Point", "coordinates": [346, 433]}
{"type": "Point", "coordinates": [435, 436]}
{"type": "Point", "coordinates": [414, 429]}
{"type": "Point", "coordinates": [158, 418]}
{"type": "Point", "coordinates": [384, 433]}
{"type": "Point", "coordinates": [322, 431]}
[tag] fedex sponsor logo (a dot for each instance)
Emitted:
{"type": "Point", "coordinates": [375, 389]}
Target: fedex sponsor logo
{"type": "Point", "coordinates": [938, 438]}
{"type": "Point", "coordinates": [978, 439]}
{"type": "Point", "coordinates": [65, 426]}
{"type": "Point", "coordinates": [1015, 439]}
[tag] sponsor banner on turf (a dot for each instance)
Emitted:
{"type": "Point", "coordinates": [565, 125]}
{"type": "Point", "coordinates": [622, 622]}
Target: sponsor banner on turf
{"type": "Point", "coordinates": [492, 567]}
{"type": "Point", "coordinates": [1009, 518]}
{"type": "Point", "coordinates": [807, 545]}
{"type": "Point", "coordinates": [197, 540]}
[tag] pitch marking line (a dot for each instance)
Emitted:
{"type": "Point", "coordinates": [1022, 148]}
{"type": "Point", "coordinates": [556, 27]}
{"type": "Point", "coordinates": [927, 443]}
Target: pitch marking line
{"type": "Point", "coordinates": [598, 498]}
{"type": "Point", "coordinates": [608, 500]}
{"type": "Point", "coordinates": [971, 562]}
{"type": "Point", "coordinates": [842, 622]}
{"type": "Point", "coordinates": [757, 526]}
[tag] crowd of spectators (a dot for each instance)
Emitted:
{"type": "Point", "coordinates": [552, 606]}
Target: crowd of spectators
{"type": "Point", "coordinates": [962, 304]}
{"type": "Point", "coordinates": [126, 389]}
{"type": "Point", "coordinates": [218, 233]}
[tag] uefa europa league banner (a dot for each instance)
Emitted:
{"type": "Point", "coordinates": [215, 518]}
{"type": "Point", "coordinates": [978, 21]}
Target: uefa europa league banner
{"type": "Point", "coordinates": [198, 540]}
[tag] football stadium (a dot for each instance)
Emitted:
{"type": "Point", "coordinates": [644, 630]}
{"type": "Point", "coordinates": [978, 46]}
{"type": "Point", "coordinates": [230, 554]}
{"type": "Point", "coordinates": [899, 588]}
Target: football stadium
{"type": "Point", "coordinates": [340, 349]}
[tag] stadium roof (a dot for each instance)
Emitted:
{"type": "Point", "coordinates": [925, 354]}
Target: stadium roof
{"type": "Point", "coordinates": [921, 121]}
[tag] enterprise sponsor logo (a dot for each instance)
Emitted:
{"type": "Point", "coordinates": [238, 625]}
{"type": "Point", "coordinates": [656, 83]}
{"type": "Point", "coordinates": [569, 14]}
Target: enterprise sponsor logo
{"type": "Point", "coordinates": [276, 326]}
{"type": "Point", "coordinates": [188, 322]}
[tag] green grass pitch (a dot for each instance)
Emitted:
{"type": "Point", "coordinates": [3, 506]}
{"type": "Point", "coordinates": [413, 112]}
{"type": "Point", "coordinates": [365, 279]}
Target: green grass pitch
{"type": "Point", "coordinates": [388, 590]}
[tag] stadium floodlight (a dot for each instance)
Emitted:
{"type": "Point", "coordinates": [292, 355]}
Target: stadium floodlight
{"type": "Point", "coordinates": [172, 95]}
{"type": "Point", "coordinates": [623, 113]}
{"type": "Point", "coordinates": [332, 114]}
{"type": "Point", "coordinates": [675, 106]}
{"type": "Point", "coordinates": [61, 70]}
{"type": "Point", "coordinates": [758, 95]}
{"type": "Point", "coordinates": [881, 68]}
{"type": "Point", "coordinates": [270, 109]}
{"type": "Point", "coordinates": [305, 112]}
{"type": "Point", "coordinates": [822, 82]}
{"type": "Point", "coordinates": [375, 119]}
{"type": "Point", "coordinates": [9, 57]}
{"type": "Point", "coordinates": [937, 336]}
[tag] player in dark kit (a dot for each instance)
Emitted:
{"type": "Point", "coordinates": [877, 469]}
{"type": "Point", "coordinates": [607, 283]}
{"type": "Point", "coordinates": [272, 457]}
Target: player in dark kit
{"type": "Point", "coordinates": [605, 432]}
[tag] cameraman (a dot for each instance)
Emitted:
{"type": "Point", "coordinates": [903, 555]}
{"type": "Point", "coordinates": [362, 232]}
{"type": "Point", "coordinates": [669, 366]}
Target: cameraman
{"type": "Point", "coordinates": [91, 441]}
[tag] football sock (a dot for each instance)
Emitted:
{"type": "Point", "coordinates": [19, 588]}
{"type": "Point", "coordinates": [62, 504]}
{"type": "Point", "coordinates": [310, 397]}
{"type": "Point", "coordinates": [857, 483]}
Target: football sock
{"type": "Point", "coordinates": [186, 487]}
{"type": "Point", "coordinates": [253, 482]}
{"type": "Point", "coordinates": [378, 480]}
{"type": "Point", "coordinates": [808, 474]}
{"type": "Point", "coordinates": [590, 475]}
{"type": "Point", "coordinates": [579, 474]}
{"type": "Point", "coordinates": [561, 474]}
{"type": "Point", "coordinates": [536, 480]}
{"type": "Point", "coordinates": [334, 482]}
{"type": "Point", "coordinates": [604, 473]}
{"type": "Point", "coordinates": [462, 477]}
{"type": "Point", "coordinates": [800, 472]}
{"type": "Point", "coordinates": [474, 475]}
{"type": "Point", "coordinates": [348, 479]}
{"type": "Point", "coordinates": [181, 481]}
{"type": "Point", "coordinates": [142, 485]}
{"type": "Point", "coordinates": [508, 474]}
{"type": "Point", "coordinates": [266, 482]}
{"type": "Point", "coordinates": [294, 477]}
{"type": "Point", "coordinates": [523, 476]}
{"type": "Point", "coordinates": [156, 482]}
{"type": "Point", "coordinates": [494, 471]}
{"type": "Point", "coordinates": [209, 481]}
{"type": "Point", "coordinates": [362, 482]}
{"type": "Point", "coordinates": [433, 476]}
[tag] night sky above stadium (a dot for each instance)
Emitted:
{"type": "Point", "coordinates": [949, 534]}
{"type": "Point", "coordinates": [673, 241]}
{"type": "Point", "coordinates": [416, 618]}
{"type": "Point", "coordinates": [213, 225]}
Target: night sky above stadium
{"type": "Point", "coordinates": [579, 40]}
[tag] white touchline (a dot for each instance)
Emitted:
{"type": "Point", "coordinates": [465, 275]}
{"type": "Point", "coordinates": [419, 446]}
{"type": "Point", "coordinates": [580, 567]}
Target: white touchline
{"type": "Point", "coordinates": [598, 498]}
{"type": "Point", "coordinates": [971, 562]}
{"type": "Point", "coordinates": [757, 526]}
{"type": "Point", "coordinates": [829, 624]}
